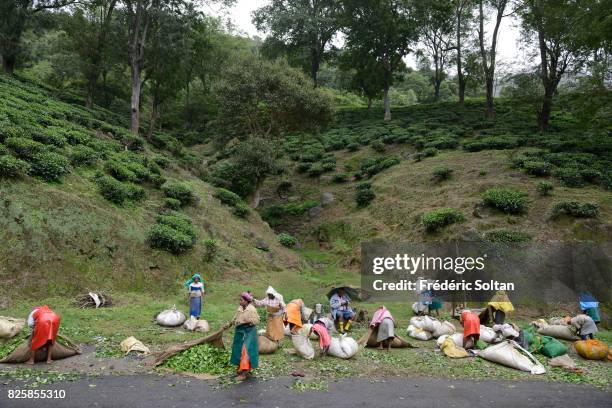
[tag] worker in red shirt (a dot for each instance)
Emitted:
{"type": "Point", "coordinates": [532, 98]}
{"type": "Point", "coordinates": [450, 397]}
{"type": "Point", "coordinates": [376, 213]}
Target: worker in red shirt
{"type": "Point", "coordinates": [45, 324]}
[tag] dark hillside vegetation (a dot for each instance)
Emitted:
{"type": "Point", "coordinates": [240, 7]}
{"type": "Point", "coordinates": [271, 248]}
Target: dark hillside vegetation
{"type": "Point", "coordinates": [84, 202]}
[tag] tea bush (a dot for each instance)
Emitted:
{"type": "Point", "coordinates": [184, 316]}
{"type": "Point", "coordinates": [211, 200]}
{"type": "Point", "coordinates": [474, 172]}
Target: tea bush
{"type": "Point", "coordinates": [506, 200]}
{"type": "Point", "coordinates": [49, 166]}
{"type": "Point", "coordinates": [544, 188]}
{"type": "Point", "coordinates": [180, 192]}
{"type": "Point", "coordinates": [437, 219]}
{"type": "Point", "coordinates": [506, 236]}
{"type": "Point", "coordinates": [575, 209]}
{"type": "Point", "coordinates": [364, 195]}
{"type": "Point", "coordinates": [12, 167]}
{"type": "Point", "coordinates": [287, 240]}
{"type": "Point", "coordinates": [442, 173]}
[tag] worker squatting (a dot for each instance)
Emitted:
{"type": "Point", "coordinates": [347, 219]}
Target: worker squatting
{"type": "Point", "coordinates": [446, 285]}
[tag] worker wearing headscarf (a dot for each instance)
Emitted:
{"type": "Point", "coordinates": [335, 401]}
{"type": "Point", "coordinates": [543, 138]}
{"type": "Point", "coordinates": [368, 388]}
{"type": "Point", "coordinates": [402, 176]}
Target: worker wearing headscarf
{"type": "Point", "coordinates": [195, 288]}
{"type": "Point", "coordinates": [471, 329]}
{"type": "Point", "coordinates": [45, 324]}
{"type": "Point", "coordinates": [499, 306]}
{"type": "Point", "coordinates": [275, 308]}
{"type": "Point", "coordinates": [245, 349]}
{"type": "Point", "coordinates": [294, 313]}
{"type": "Point", "coordinates": [384, 325]}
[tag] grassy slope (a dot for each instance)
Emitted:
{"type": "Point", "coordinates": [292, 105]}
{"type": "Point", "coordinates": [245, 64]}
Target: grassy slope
{"type": "Point", "coordinates": [64, 237]}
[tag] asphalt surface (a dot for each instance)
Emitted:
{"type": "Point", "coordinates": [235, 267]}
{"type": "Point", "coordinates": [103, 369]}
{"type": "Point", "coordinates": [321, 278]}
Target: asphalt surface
{"type": "Point", "coordinates": [151, 391]}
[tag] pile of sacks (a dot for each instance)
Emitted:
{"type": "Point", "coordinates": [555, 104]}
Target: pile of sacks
{"type": "Point", "coordinates": [494, 335]}
{"type": "Point", "coordinates": [426, 327]}
{"type": "Point", "coordinates": [341, 347]}
{"type": "Point", "coordinates": [555, 328]}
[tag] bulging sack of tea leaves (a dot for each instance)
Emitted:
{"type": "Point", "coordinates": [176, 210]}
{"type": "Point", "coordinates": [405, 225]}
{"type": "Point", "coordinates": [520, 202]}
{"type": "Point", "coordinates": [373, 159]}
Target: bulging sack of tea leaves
{"type": "Point", "coordinates": [10, 326]}
{"type": "Point", "coordinates": [194, 324]}
{"type": "Point", "coordinates": [559, 331]}
{"type": "Point", "coordinates": [418, 333]}
{"type": "Point", "coordinates": [170, 317]}
{"type": "Point", "coordinates": [591, 349]}
{"type": "Point", "coordinates": [426, 323]}
{"type": "Point", "coordinates": [266, 345]}
{"type": "Point", "coordinates": [22, 353]}
{"type": "Point", "coordinates": [488, 335]}
{"type": "Point", "coordinates": [510, 354]}
{"type": "Point", "coordinates": [303, 347]}
{"type": "Point", "coordinates": [344, 347]}
{"type": "Point", "coordinates": [456, 337]}
{"type": "Point", "coordinates": [444, 328]}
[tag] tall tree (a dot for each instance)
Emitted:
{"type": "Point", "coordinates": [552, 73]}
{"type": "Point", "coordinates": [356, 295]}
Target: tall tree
{"type": "Point", "coordinates": [300, 26]}
{"type": "Point", "coordinates": [382, 32]}
{"type": "Point", "coordinates": [558, 26]}
{"type": "Point", "coordinates": [436, 29]}
{"type": "Point", "coordinates": [463, 17]}
{"type": "Point", "coordinates": [14, 16]}
{"type": "Point", "coordinates": [488, 53]}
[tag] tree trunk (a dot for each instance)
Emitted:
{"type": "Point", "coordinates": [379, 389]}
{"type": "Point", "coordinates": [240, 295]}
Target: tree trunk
{"type": "Point", "coordinates": [369, 103]}
{"type": "Point", "coordinates": [437, 84]}
{"type": "Point", "coordinates": [135, 100]}
{"type": "Point", "coordinates": [314, 66]}
{"type": "Point", "coordinates": [153, 118]}
{"type": "Point", "coordinates": [257, 195]}
{"type": "Point", "coordinates": [8, 64]}
{"type": "Point", "coordinates": [92, 81]}
{"type": "Point", "coordinates": [544, 115]}
{"type": "Point", "coordinates": [461, 89]}
{"type": "Point", "coordinates": [490, 106]}
{"type": "Point", "coordinates": [387, 102]}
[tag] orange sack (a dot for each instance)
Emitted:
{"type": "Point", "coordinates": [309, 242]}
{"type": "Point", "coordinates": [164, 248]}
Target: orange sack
{"type": "Point", "coordinates": [45, 328]}
{"type": "Point", "coordinates": [591, 349]}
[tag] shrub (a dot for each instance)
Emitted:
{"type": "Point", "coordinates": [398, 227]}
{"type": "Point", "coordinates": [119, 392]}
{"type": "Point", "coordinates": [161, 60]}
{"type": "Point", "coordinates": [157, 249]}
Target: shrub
{"type": "Point", "coordinates": [161, 161]}
{"type": "Point", "coordinates": [50, 166]}
{"type": "Point", "coordinates": [507, 200]}
{"type": "Point", "coordinates": [49, 136]}
{"type": "Point", "coordinates": [302, 167]}
{"type": "Point", "coordinates": [24, 148]}
{"type": "Point", "coordinates": [241, 210]}
{"type": "Point", "coordinates": [352, 147]}
{"type": "Point", "coordinates": [436, 219]}
{"type": "Point", "coordinates": [571, 177]}
{"type": "Point", "coordinates": [544, 188]}
{"type": "Point", "coordinates": [75, 137]}
{"type": "Point", "coordinates": [428, 152]}
{"type": "Point", "coordinates": [164, 237]}
{"type": "Point", "coordinates": [119, 171]}
{"type": "Point", "coordinates": [83, 156]}
{"type": "Point", "coordinates": [339, 178]}
{"type": "Point", "coordinates": [372, 166]}
{"type": "Point", "coordinates": [157, 180]}
{"type": "Point", "coordinates": [210, 249]}
{"type": "Point", "coordinates": [491, 143]}
{"type": "Point", "coordinates": [12, 167]}
{"type": "Point", "coordinates": [575, 209]}
{"type": "Point", "coordinates": [172, 203]}
{"type": "Point", "coordinates": [506, 236]}
{"type": "Point", "coordinates": [117, 192]}
{"type": "Point", "coordinates": [442, 173]}
{"type": "Point", "coordinates": [3, 150]}
{"type": "Point", "coordinates": [315, 170]}
{"type": "Point", "coordinates": [287, 240]}
{"type": "Point", "coordinates": [378, 145]}
{"type": "Point", "coordinates": [180, 192]}
{"type": "Point", "coordinates": [364, 197]}
{"type": "Point", "coordinates": [444, 142]}
{"type": "Point", "coordinates": [328, 165]}
{"type": "Point", "coordinates": [364, 186]}
{"type": "Point", "coordinates": [537, 168]}
{"type": "Point", "coordinates": [227, 197]}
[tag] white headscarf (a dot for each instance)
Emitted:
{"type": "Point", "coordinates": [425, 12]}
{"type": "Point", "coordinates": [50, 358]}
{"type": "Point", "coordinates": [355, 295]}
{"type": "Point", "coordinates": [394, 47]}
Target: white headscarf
{"type": "Point", "coordinates": [276, 295]}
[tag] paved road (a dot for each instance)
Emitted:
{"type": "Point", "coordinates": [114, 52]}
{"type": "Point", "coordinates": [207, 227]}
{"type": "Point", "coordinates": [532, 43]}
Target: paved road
{"type": "Point", "coordinates": [152, 391]}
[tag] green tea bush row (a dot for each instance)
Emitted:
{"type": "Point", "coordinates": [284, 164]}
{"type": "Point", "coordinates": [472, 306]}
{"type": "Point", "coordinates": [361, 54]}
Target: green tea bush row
{"type": "Point", "coordinates": [173, 232]}
{"type": "Point", "coordinates": [505, 236]}
{"type": "Point", "coordinates": [575, 209]}
{"type": "Point", "coordinates": [507, 200]}
{"type": "Point", "coordinates": [437, 219]}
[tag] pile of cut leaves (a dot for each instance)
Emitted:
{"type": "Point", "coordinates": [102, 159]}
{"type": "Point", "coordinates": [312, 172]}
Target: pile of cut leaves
{"type": "Point", "coordinates": [7, 346]}
{"type": "Point", "coordinates": [201, 359]}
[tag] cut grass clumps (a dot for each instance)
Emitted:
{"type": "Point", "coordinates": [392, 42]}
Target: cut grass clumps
{"type": "Point", "coordinates": [179, 191]}
{"type": "Point", "coordinates": [442, 173]}
{"type": "Point", "coordinates": [118, 192]}
{"type": "Point", "coordinates": [173, 233]}
{"type": "Point", "coordinates": [505, 236]}
{"type": "Point", "coordinates": [364, 195]}
{"type": "Point", "coordinates": [287, 240]}
{"type": "Point", "coordinates": [12, 167]}
{"type": "Point", "coordinates": [507, 200]}
{"type": "Point", "coordinates": [575, 209]}
{"type": "Point", "coordinates": [544, 188]}
{"type": "Point", "coordinates": [437, 219]}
